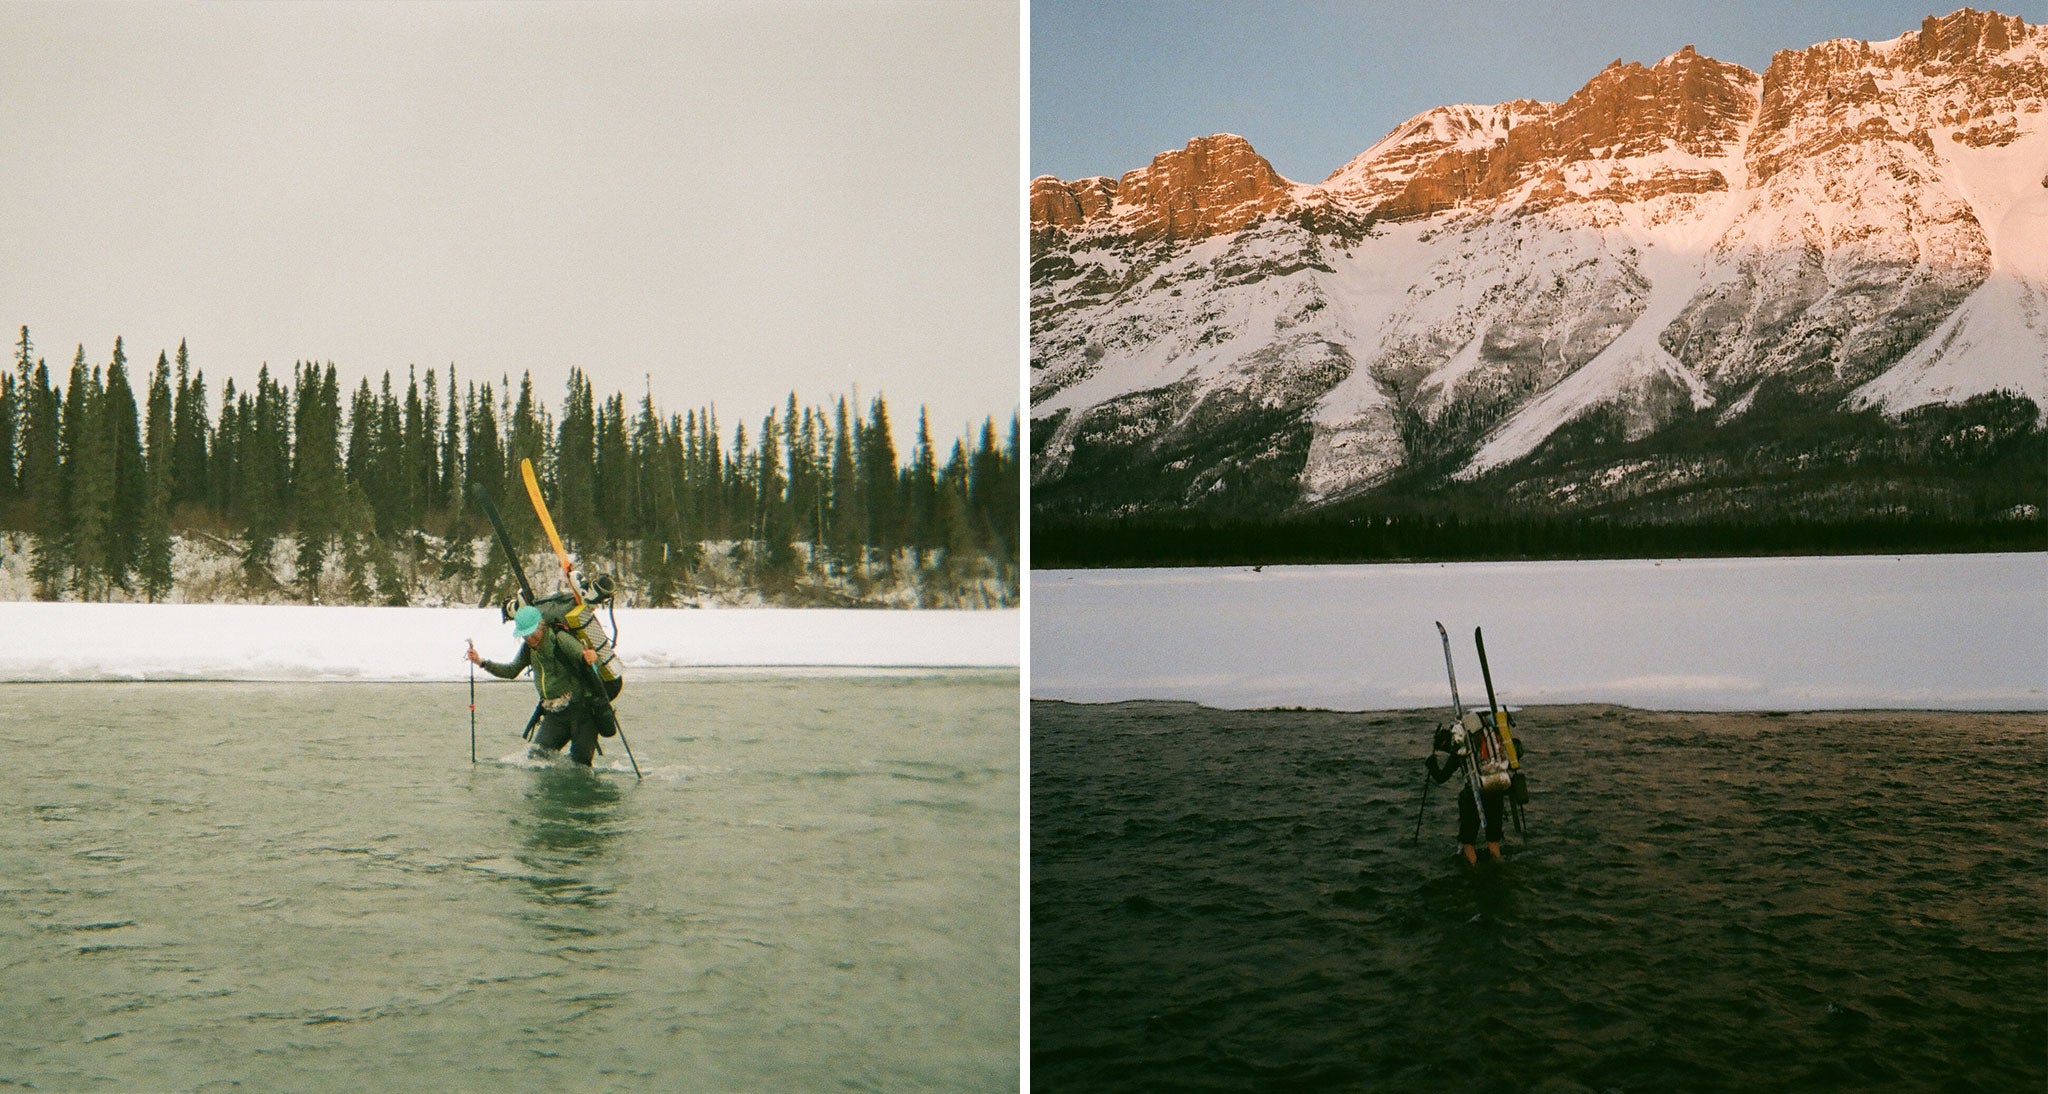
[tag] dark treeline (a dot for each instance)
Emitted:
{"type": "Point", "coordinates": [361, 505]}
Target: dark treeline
{"type": "Point", "coordinates": [1789, 478]}
{"type": "Point", "coordinates": [380, 480]}
{"type": "Point", "coordinates": [1164, 541]}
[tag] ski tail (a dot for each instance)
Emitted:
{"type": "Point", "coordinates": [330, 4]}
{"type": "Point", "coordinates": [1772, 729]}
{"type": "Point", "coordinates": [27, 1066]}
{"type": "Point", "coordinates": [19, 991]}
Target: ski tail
{"type": "Point", "coordinates": [504, 540]}
{"type": "Point", "coordinates": [547, 524]}
{"type": "Point", "coordinates": [1457, 704]}
{"type": "Point", "coordinates": [1499, 717]}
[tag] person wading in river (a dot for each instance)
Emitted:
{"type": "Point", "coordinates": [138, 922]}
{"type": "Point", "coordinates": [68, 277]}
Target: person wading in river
{"type": "Point", "coordinates": [1456, 741]}
{"type": "Point", "coordinates": [568, 714]}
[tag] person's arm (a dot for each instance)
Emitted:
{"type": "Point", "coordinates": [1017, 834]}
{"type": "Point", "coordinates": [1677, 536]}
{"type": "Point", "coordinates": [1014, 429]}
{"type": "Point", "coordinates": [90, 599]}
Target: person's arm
{"type": "Point", "coordinates": [504, 671]}
{"type": "Point", "coordinates": [573, 657]}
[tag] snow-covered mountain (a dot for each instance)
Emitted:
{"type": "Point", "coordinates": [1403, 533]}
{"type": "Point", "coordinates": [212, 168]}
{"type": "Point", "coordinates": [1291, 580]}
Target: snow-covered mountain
{"type": "Point", "coordinates": [1863, 224]}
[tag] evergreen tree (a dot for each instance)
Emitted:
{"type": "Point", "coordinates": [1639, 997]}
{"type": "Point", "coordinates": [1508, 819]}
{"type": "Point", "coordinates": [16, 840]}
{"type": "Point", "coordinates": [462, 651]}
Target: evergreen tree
{"type": "Point", "coordinates": [778, 549]}
{"type": "Point", "coordinates": [357, 533]}
{"type": "Point", "coordinates": [120, 417]}
{"type": "Point", "coordinates": [453, 478]}
{"type": "Point", "coordinates": [153, 562]}
{"type": "Point", "coordinates": [427, 460]}
{"type": "Point", "coordinates": [848, 518]}
{"type": "Point", "coordinates": [485, 460]}
{"type": "Point", "coordinates": [265, 475]}
{"type": "Point", "coordinates": [10, 416]}
{"type": "Point", "coordinates": [386, 485]}
{"type": "Point", "coordinates": [526, 439]}
{"type": "Point", "coordinates": [224, 478]}
{"type": "Point", "coordinates": [362, 438]}
{"type": "Point", "coordinates": [987, 494]}
{"type": "Point", "coordinates": [734, 494]}
{"type": "Point", "coordinates": [1007, 502]}
{"type": "Point", "coordinates": [618, 478]}
{"type": "Point", "coordinates": [796, 468]}
{"type": "Point", "coordinates": [319, 487]}
{"type": "Point", "coordinates": [189, 421]}
{"type": "Point", "coordinates": [571, 495]}
{"type": "Point", "coordinates": [807, 507]}
{"type": "Point", "coordinates": [921, 491]}
{"type": "Point", "coordinates": [958, 549]}
{"type": "Point", "coordinates": [42, 479]}
{"type": "Point", "coordinates": [711, 478]}
{"type": "Point", "coordinates": [876, 454]}
{"type": "Point", "coordinates": [86, 450]}
{"type": "Point", "coordinates": [14, 412]}
{"type": "Point", "coordinates": [648, 455]}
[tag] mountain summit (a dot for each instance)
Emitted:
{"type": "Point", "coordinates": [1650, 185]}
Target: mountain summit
{"type": "Point", "coordinates": [1489, 291]}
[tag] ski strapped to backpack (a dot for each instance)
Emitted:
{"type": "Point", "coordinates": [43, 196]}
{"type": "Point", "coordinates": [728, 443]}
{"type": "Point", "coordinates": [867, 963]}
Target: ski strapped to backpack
{"type": "Point", "coordinates": [1469, 755]}
{"type": "Point", "coordinates": [1518, 783]}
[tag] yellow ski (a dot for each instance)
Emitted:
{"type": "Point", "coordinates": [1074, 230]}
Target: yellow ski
{"type": "Point", "coordinates": [547, 524]}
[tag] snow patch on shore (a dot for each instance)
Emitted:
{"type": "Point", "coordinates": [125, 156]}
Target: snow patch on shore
{"type": "Point", "coordinates": [74, 641]}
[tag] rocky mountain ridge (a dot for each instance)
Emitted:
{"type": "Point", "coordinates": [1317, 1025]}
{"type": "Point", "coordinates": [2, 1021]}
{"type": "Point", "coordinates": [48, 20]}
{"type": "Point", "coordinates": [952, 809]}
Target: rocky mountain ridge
{"type": "Point", "coordinates": [1861, 225]}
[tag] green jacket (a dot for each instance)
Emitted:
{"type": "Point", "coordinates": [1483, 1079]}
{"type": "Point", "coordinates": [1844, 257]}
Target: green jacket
{"type": "Point", "coordinates": [557, 664]}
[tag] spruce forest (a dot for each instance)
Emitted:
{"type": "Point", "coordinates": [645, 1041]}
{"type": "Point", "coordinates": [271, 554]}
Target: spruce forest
{"type": "Point", "coordinates": [301, 492]}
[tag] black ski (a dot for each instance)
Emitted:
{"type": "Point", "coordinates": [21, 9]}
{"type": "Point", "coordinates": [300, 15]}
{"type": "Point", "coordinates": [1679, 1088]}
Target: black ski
{"type": "Point", "coordinates": [518, 573]}
{"type": "Point", "coordinates": [1499, 720]}
{"type": "Point", "coordinates": [504, 540]}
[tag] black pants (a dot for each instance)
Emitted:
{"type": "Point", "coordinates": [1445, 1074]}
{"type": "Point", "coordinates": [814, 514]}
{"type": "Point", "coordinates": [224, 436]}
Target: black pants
{"type": "Point", "coordinates": [574, 725]}
{"type": "Point", "coordinates": [1468, 815]}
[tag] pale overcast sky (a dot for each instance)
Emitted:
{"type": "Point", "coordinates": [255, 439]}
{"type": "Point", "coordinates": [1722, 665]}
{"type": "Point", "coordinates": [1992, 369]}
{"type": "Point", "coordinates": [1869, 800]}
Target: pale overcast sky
{"type": "Point", "coordinates": [739, 199]}
{"type": "Point", "coordinates": [1312, 83]}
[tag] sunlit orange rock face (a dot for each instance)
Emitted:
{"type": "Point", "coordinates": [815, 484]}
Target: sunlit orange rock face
{"type": "Point", "coordinates": [1214, 185]}
{"type": "Point", "coordinates": [1642, 130]}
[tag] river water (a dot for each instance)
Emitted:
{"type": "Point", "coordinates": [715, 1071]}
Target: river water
{"type": "Point", "coordinates": [292, 886]}
{"type": "Point", "coordinates": [1239, 900]}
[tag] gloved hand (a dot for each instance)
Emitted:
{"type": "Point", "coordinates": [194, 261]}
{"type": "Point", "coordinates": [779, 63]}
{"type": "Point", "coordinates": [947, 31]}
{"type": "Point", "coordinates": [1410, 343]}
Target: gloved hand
{"type": "Point", "coordinates": [1442, 741]}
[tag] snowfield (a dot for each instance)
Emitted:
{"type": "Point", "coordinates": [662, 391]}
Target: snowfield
{"type": "Point", "coordinates": [1939, 632]}
{"type": "Point", "coordinates": [72, 641]}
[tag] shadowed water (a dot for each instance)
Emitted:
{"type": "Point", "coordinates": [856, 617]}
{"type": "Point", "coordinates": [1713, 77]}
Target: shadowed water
{"type": "Point", "coordinates": [1227, 900]}
{"type": "Point", "coordinates": [310, 886]}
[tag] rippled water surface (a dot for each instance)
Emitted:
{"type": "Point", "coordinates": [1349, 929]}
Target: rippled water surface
{"type": "Point", "coordinates": [1230, 900]}
{"type": "Point", "coordinates": [310, 886]}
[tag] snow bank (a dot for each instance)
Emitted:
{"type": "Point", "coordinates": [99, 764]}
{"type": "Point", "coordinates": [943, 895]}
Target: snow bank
{"type": "Point", "coordinates": [1942, 632]}
{"type": "Point", "coordinates": [266, 642]}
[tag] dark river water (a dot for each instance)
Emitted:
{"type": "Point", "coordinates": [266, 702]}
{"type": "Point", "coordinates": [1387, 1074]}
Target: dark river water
{"type": "Point", "coordinates": [1230, 900]}
{"type": "Point", "coordinates": [309, 886]}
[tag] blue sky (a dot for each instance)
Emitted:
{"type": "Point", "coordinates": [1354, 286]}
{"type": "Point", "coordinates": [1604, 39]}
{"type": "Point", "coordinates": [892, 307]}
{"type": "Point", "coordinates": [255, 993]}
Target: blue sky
{"type": "Point", "coordinates": [1311, 83]}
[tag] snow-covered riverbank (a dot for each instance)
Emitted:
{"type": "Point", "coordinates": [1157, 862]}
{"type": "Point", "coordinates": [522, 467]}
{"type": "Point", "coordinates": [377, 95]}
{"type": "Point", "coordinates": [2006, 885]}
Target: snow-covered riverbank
{"type": "Point", "coordinates": [1941, 632]}
{"type": "Point", "coordinates": [71, 641]}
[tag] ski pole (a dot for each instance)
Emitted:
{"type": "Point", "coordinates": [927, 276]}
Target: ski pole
{"type": "Point", "coordinates": [1420, 808]}
{"type": "Point", "coordinates": [621, 731]}
{"type": "Point", "coordinates": [472, 702]}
